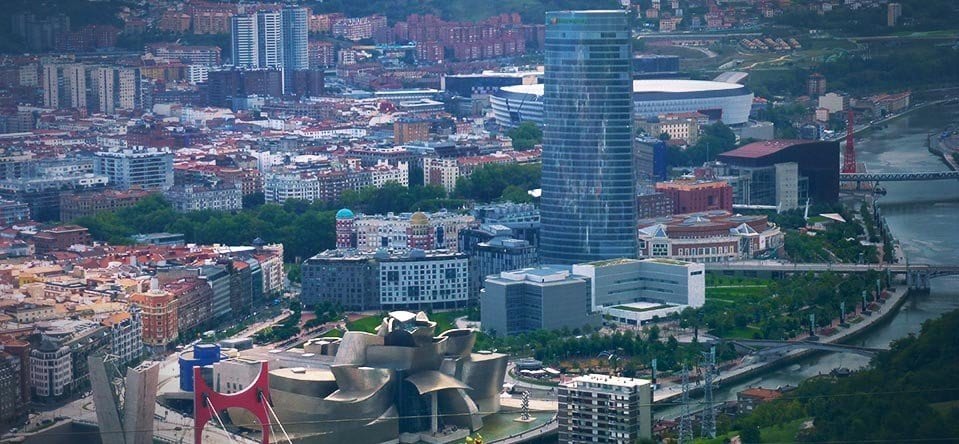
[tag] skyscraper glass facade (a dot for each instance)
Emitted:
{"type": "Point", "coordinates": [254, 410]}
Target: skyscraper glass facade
{"type": "Point", "coordinates": [588, 208]}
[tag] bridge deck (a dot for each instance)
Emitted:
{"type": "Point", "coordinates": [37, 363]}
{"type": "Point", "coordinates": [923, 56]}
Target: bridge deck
{"type": "Point", "coordinates": [898, 177]}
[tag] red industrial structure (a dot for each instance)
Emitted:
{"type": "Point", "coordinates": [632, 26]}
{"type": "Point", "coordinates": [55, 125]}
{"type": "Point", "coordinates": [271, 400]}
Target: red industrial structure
{"type": "Point", "coordinates": [849, 154]}
{"type": "Point", "coordinates": [255, 399]}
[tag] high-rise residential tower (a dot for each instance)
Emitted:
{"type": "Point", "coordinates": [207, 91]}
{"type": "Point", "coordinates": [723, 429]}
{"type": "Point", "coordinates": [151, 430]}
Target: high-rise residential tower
{"type": "Point", "coordinates": [588, 208]}
{"type": "Point", "coordinates": [269, 29]}
{"type": "Point", "coordinates": [296, 45]}
{"type": "Point", "coordinates": [245, 46]}
{"type": "Point", "coordinates": [272, 39]}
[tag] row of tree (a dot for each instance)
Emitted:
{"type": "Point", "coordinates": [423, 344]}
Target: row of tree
{"type": "Point", "coordinates": [306, 228]}
{"type": "Point", "coordinates": [780, 310]}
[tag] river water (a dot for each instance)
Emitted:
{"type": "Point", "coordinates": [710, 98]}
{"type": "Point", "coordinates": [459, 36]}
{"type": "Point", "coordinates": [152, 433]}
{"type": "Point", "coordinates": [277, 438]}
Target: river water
{"type": "Point", "coordinates": [924, 216]}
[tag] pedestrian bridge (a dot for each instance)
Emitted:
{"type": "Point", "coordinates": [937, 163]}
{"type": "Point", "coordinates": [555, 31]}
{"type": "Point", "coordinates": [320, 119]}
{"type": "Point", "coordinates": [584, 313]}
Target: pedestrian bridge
{"type": "Point", "coordinates": [917, 275]}
{"type": "Point", "coordinates": [772, 346]}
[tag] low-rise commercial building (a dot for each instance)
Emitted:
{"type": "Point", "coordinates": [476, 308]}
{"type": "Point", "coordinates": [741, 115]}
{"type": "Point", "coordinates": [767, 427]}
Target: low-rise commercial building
{"type": "Point", "coordinates": [622, 281]}
{"type": "Point", "coordinates": [530, 299]}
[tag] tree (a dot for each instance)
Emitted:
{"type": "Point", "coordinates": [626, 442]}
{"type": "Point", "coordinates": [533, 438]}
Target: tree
{"type": "Point", "coordinates": [525, 136]}
{"type": "Point", "coordinates": [750, 435]}
{"type": "Point", "coordinates": [254, 200]}
{"type": "Point", "coordinates": [516, 194]}
{"type": "Point", "coordinates": [489, 182]}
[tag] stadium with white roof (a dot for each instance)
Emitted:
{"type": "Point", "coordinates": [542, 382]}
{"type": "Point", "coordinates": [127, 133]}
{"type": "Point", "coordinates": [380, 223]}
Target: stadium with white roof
{"type": "Point", "coordinates": [726, 102]}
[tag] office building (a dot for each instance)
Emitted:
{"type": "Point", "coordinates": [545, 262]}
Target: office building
{"type": "Point", "coordinates": [385, 280]}
{"type": "Point", "coordinates": [143, 168]}
{"type": "Point", "coordinates": [50, 370]}
{"type": "Point", "coordinates": [693, 196]}
{"type": "Point", "coordinates": [610, 409]}
{"type": "Point", "coordinates": [588, 208]}
{"type": "Point", "coordinates": [624, 281]}
{"type": "Point", "coordinates": [492, 249]}
{"type": "Point", "coordinates": [548, 297]}
{"type": "Point", "coordinates": [487, 82]}
{"type": "Point", "coordinates": [649, 157]}
{"type": "Point", "coordinates": [225, 86]}
{"type": "Point", "coordinates": [653, 205]}
{"type": "Point", "coordinates": [257, 40]}
{"type": "Point", "coordinates": [654, 66]}
{"type": "Point", "coordinates": [782, 173]}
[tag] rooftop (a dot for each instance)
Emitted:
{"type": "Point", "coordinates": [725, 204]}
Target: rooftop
{"type": "Point", "coordinates": [617, 381]}
{"type": "Point", "coordinates": [763, 148]}
{"type": "Point", "coordinates": [646, 86]}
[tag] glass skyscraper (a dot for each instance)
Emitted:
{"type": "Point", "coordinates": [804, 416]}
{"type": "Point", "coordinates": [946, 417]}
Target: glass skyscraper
{"type": "Point", "coordinates": [588, 208]}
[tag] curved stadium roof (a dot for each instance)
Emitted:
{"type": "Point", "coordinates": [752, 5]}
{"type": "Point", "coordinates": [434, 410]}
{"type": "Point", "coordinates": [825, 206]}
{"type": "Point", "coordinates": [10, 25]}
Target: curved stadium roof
{"type": "Point", "coordinates": [667, 88]}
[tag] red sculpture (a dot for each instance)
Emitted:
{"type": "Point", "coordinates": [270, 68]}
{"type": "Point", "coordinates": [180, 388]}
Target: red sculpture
{"type": "Point", "coordinates": [253, 398]}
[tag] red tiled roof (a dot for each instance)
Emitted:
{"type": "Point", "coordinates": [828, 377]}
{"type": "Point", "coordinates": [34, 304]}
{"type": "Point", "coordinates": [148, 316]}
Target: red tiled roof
{"type": "Point", "coordinates": [762, 148]}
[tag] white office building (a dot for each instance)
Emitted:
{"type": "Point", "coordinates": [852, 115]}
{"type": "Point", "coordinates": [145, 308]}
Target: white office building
{"type": "Point", "coordinates": [51, 369]}
{"type": "Point", "coordinates": [145, 168]}
{"type": "Point", "coordinates": [424, 278]}
{"type": "Point", "coordinates": [617, 282]}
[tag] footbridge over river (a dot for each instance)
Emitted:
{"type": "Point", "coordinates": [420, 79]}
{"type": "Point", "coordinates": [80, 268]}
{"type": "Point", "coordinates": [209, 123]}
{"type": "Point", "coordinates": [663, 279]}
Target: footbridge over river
{"type": "Point", "coordinates": [917, 275]}
{"type": "Point", "coordinates": [771, 346]}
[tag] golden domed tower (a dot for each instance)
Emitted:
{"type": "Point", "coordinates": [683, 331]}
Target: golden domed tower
{"type": "Point", "coordinates": [420, 234]}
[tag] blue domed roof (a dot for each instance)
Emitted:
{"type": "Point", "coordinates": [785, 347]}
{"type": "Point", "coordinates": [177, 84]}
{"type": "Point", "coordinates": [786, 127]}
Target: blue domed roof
{"type": "Point", "coordinates": [344, 214]}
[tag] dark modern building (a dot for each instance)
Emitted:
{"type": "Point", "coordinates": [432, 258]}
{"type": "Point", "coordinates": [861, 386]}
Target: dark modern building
{"type": "Point", "coordinates": [588, 208]}
{"type": "Point", "coordinates": [650, 162]}
{"type": "Point", "coordinates": [224, 85]}
{"type": "Point", "coordinates": [816, 166]}
{"type": "Point", "coordinates": [655, 66]}
{"type": "Point", "coordinates": [468, 85]}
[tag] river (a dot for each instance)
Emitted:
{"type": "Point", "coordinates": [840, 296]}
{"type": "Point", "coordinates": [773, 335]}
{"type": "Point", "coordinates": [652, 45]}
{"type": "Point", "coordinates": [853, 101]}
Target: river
{"type": "Point", "coordinates": [922, 215]}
